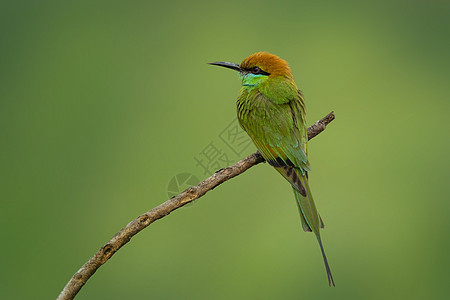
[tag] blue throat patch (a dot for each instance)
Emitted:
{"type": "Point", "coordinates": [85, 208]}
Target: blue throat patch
{"type": "Point", "coordinates": [251, 80]}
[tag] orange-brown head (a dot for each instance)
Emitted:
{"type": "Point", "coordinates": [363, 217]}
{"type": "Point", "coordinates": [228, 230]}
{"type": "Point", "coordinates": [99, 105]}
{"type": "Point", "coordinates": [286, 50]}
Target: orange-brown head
{"type": "Point", "coordinates": [260, 63]}
{"type": "Point", "coordinates": [268, 63]}
{"type": "Point", "coordinates": [266, 72]}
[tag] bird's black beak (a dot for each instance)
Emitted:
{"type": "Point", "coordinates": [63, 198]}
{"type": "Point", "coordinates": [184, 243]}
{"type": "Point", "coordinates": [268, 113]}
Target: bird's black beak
{"type": "Point", "coordinates": [228, 65]}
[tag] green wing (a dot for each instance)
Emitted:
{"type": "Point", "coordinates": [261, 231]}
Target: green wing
{"type": "Point", "coordinates": [278, 130]}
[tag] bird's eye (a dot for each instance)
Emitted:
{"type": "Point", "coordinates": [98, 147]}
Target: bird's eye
{"type": "Point", "coordinates": [256, 70]}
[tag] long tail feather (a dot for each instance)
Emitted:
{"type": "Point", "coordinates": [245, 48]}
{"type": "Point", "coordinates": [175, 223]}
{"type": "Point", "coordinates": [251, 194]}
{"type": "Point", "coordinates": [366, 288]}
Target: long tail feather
{"type": "Point", "coordinates": [310, 218]}
{"type": "Point", "coordinates": [327, 266]}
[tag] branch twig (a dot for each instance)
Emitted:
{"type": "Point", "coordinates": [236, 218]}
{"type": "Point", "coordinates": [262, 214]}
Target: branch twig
{"type": "Point", "coordinates": [162, 210]}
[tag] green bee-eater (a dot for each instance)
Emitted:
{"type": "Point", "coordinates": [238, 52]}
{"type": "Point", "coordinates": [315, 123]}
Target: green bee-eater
{"type": "Point", "coordinates": [271, 110]}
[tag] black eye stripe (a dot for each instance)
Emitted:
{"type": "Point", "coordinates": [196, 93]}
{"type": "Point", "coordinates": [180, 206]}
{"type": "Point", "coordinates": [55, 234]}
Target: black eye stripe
{"type": "Point", "coordinates": [259, 71]}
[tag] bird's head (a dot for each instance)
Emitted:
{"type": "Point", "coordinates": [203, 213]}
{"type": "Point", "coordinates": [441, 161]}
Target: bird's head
{"type": "Point", "coordinates": [258, 68]}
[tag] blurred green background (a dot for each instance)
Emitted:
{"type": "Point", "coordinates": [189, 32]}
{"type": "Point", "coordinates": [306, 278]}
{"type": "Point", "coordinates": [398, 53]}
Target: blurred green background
{"type": "Point", "coordinates": [103, 102]}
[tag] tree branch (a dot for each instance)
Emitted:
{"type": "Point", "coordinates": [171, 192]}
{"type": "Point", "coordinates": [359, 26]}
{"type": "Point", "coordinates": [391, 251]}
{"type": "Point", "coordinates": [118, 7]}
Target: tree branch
{"type": "Point", "coordinates": [162, 210]}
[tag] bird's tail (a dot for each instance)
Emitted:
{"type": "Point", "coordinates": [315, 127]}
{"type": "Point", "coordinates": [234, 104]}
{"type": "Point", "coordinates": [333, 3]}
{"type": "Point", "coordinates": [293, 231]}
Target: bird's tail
{"type": "Point", "coordinates": [310, 218]}
{"type": "Point", "coordinates": [325, 260]}
{"type": "Point", "coordinates": [311, 221]}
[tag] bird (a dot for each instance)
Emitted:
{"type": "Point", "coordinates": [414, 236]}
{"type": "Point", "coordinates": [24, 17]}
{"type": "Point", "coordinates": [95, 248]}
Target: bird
{"type": "Point", "coordinates": [271, 110]}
